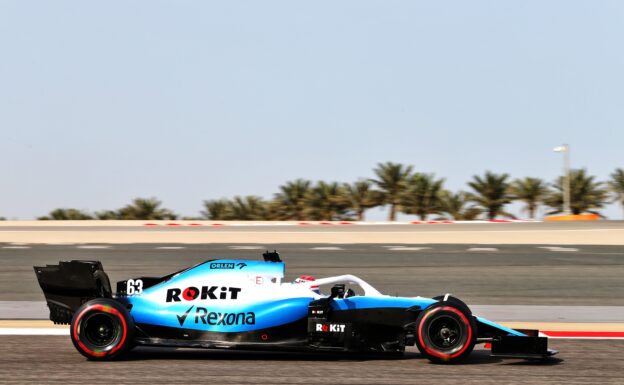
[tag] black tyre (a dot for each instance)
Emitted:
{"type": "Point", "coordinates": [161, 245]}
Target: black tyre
{"type": "Point", "coordinates": [453, 301]}
{"type": "Point", "coordinates": [102, 329]}
{"type": "Point", "coordinates": [446, 333]}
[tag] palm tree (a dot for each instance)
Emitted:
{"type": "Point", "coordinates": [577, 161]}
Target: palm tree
{"type": "Point", "coordinates": [529, 190]}
{"type": "Point", "coordinates": [67, 215]}
{"type": "Point", "coordinates": [456, 206]}
{"type": "Point", "coordinates": [289, 203]}
{"type": "Point", "coordinates": [107, 215]}
{"type": "Point", "coordinates": [491, 194]}
{"type": "Point", "coordinates": [218, 209]}
{"type": "Point", "coordinates": [249, 208]}
{"type": "Point", "coordinates": [616, 185]}
{"type": "Point", "coordinates": [392, 181]}
{"type": "Point", "coordinates": [422, 196]}
{"type": "Point", "coordinates": [326, 202]}
{"type": "Point", "coordinates": [586, 195]}
{"type": "Point", "coordinates": [361, 197]}
{"type": "Point", "coordinates": [146, 208]}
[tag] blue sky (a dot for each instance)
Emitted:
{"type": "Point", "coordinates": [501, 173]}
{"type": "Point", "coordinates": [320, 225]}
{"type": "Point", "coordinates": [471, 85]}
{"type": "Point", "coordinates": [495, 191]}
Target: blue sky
{"type": "Point", "coordinates": [101, 102]}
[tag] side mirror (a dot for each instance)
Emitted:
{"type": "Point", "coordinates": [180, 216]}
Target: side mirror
{"type": "Point", "coordinates": [337, 291]}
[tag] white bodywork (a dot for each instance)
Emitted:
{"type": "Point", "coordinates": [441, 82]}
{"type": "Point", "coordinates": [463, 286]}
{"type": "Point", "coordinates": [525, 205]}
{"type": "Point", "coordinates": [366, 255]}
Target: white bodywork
{"type": "Point", "coordinates": [369, 291]}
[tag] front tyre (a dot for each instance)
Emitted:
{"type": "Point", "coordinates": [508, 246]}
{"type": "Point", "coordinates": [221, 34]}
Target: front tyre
{"type": "Point", "coordinates": [102, 329]}
{"type": "Point", "coordinates": [446, 334]}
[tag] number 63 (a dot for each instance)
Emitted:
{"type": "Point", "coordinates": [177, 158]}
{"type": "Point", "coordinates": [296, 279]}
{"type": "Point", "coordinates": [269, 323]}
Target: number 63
{"type": "Point", "coordinates": [134, 286]}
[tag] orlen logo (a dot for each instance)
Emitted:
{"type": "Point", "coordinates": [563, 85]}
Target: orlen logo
{"type": "Point", "coordinates": [207, 292]}
{"type": "Point", "coordinates": [227, 265]}
{"type": "Point", "coordinates": [330, 328]}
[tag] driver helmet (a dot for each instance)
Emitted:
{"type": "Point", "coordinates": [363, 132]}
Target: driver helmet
{"type": "Point", "coordinates": [307, 278]}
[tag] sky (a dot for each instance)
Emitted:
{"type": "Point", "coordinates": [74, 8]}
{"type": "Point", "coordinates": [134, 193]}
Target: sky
{"type": "Point", "coordinates": [101, 102]}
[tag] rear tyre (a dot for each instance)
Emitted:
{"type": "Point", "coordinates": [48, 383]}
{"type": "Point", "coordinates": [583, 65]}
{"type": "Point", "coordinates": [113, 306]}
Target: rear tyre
{"type": "Point", "coordinates": [446, 333]}
{"type": "Point", "coordinates": [102, 329]}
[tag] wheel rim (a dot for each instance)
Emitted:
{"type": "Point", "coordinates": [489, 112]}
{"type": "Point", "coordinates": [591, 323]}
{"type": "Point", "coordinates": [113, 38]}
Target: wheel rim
{"type": "Point", "coordinates": [101, 330]}
{"type": "Point", "coordinates": [445, 333]}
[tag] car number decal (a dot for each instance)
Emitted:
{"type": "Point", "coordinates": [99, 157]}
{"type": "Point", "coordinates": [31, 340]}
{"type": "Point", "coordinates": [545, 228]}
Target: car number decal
{"type": "Point", "coordinates": [134, 286]}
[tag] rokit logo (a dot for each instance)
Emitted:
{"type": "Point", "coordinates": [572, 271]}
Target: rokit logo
{"type": "Point", "coordinates": [330, 328]}
{"type": "Point", "coordinates": [207, 292]}
{"type": "Point", "coordinates": [227, 265]}
{"type": "Point", "coordinates": [206, 317]}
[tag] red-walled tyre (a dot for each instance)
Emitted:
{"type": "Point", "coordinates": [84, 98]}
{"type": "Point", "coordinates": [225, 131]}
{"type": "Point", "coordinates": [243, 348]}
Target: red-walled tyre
{"type": "Point", "coordinates": [446, 334]}
{"type": "Point", "coordinates": [102, 329]}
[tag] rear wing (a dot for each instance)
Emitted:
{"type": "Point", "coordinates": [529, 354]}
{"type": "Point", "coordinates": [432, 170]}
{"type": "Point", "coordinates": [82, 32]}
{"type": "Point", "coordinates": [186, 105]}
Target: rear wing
{"type": "Point", "coordinates": [68, 285]}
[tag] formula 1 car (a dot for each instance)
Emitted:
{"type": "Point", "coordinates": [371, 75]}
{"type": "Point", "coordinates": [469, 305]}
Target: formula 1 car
{"type": "Point", "coordinates": [242, 304]}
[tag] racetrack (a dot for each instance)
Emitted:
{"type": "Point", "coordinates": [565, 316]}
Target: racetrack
{"type": "Point", "coordinates": [53, 359]}
{"type": "Point", "coordinates": [493, 274]}
{"type": "Point", "coordinates": [496, 274]}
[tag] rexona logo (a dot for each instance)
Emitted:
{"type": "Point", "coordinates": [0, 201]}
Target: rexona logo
{"type": "Point", "coordinates": [202, 315]}
{"type": "Point", "coordinates": [227, 265]}
{"type": "Point", "coordinates": [207, 292]}
{"type": "Point", "coordinates": [330, 328]}
{"type": "Point", "coordinates": [206, 317]}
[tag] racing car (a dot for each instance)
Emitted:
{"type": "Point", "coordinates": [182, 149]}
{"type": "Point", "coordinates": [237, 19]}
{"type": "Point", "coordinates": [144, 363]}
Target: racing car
{"type": "Point", "coordinates": [246, 304]}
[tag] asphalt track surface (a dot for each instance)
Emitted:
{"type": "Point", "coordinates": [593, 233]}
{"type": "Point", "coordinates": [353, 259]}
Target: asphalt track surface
{"type": "Point", "coordinates": [493, 275]}
{"type": "Point", "coordinates": [53, 360]}
{"type": "Point", "coordinates": [496, 274]}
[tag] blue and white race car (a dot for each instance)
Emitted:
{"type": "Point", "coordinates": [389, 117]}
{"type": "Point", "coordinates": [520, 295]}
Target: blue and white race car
{"type": "Point", "coordinates": [242, 304]}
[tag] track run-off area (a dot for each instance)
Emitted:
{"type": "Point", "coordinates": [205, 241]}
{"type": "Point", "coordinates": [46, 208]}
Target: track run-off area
{"type": "Point", "coordinates": [53, 359]}
{"type": "Point", "coordinates": [561, 277]}
{"type": "Point", "coordinates": [442, 232]}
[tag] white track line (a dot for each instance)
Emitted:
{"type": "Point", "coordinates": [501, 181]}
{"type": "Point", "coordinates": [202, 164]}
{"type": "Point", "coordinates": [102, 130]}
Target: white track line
{"type": "Point", "coordinates": [408, 248]}
{"type": "Point", "coordinates": [65, 332]}
{"type": "Point", "coordinates": [93, 247]}
{"type": "Point", "coordinates": [170, 248]}
{"type": "Point", "coordinates": [16, 247]}
{"type": "Point", "coordinates": [246, 247]}
{"type": "Point", "coordinates": [581, 338]}
{"type": "Point", "coordinates": [557, 248]}
{"type": "Point", "coordinates": [482, 249]}
{"type": "Point", "coordinates": [326, 248]}
{"type": "Point", "coordinates": [34, 332]}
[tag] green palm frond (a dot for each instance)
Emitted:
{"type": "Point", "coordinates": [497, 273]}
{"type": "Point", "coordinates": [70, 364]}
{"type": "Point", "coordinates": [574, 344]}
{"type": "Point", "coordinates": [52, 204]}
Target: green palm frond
{"type": "Point", "coordinates": [249, 208]}
{"type": "Point", "coordinates": [392, 181]}
{"type": "Point", "coordinates": [67, 215]}
{"type": "Point", "coordinates": [586, 195]}
{"type": "Point", "coordinates": [289, 202]}
{"type": "Point", "coordinates": [457, 206]}
{"type": "Point", "coordinates": [107, 215]}
{"type": "Point", "coordinates": [218, 209]}
{"type": "Point", "coordinates": [529, 190]}
{"type": "Point", "coordinates": [361, 197]}
{"type": "Point", "coordinates": [616, 185]}
{"type": "Point", "coordinates": [327, 201]}
{"type": "Point", "coordinates": [146, 209]}
{"type": "Point", "coordinates": [422, 196]}
{"type": "Point", "coordinates": [491, 193]}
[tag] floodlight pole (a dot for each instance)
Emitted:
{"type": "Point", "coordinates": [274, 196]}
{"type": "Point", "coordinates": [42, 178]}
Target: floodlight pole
{"type": "Point", "coordinates": [566, 179]}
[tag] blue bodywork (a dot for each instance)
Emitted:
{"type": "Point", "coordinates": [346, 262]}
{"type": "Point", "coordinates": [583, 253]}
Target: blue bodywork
{"type": "Point", "coordinates": [149, 309]}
